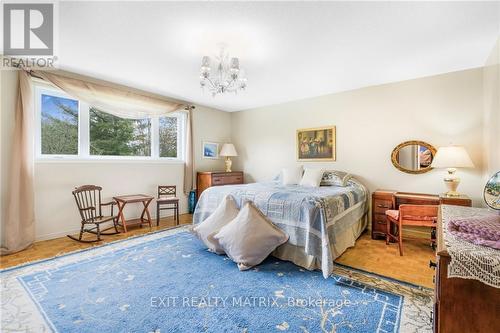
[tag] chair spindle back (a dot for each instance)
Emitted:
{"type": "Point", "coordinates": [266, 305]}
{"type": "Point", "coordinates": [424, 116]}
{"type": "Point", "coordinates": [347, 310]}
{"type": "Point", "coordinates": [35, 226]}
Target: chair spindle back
{"type": "Point", "coordinates": [88, 196]}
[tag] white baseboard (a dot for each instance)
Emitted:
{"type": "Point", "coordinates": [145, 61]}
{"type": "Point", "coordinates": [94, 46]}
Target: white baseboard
{"type": "Point", "coordinates": [56, 235]}
{"type": "Point", "coordinates": [39, 238]}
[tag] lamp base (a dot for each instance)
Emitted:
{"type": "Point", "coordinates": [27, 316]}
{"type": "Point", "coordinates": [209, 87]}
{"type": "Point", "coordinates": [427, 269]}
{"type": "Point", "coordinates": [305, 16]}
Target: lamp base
{"type": "Point", "coordinates": [451, 181]}
{"type": "Point", "coordinates": [229, 163]}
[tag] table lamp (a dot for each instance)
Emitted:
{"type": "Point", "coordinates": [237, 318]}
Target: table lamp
{"type": "Point", "coordinates": [451, 158]}
{"type": "Point", "coordinates": [227, 151]}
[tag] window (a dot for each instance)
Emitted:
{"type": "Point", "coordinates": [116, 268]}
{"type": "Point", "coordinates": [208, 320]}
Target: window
{"type": "Point", "coordinates": [59, 125]}
{"type": "Point", "coordinates": [114, 136]}
{"type": "Point", "coordinates": [68, 128]}
{"type": "Point", "coordinates": [168, 136]}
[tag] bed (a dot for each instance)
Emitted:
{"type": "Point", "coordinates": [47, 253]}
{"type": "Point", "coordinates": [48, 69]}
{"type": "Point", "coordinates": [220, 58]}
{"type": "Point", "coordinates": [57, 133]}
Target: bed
{"type": "Point", "coordinates": [322, 222]}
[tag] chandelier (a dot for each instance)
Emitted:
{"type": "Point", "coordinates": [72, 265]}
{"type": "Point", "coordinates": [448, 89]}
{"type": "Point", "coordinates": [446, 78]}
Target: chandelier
{"type": "Point", "coordinates": [227, 76]}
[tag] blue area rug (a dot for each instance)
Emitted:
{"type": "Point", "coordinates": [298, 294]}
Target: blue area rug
{"type": "Point", "coordinates": [172, 284]}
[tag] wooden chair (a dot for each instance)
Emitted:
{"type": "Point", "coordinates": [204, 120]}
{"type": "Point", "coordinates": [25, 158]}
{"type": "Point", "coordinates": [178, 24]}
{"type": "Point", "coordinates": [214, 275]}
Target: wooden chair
{"type": "Point", "coordinates": [410, 215]}
{"type": "Point", "coordinates": [88, 201]}
{"type": "Point", "coordinates": [167, 197]}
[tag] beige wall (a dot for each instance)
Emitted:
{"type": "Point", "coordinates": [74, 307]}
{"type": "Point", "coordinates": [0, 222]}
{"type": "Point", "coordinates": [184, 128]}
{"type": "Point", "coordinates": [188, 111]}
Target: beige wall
{"type": "Point", "coordinates": [491, 79]}
{"type": "Point", "coordinates": [370, 122]}
{"type": "Point", "coordinates": [56, 214]}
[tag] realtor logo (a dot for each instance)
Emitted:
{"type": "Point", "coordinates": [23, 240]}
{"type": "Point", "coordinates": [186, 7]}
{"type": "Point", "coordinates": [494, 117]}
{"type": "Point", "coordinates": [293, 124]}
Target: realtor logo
{"type": "Point", "coordinates": [28, 29]}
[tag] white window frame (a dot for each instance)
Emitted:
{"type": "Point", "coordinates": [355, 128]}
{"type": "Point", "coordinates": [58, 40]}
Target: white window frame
{"type": "Point", "coordinates": [39, 91]}
{"type": "Point", "coordinates": [84, 134]}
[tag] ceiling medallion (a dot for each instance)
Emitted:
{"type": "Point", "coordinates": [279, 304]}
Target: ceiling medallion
{"type": "Point", "coordinates": [222, 75]}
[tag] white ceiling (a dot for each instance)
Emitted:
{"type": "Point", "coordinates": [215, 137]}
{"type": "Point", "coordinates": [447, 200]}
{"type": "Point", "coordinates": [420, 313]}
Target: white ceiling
{"type": "Point", "coordinates": [289, 50]}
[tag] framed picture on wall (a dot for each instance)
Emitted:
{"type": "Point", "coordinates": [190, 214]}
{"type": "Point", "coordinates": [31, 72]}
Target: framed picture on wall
{"type": "Point", "coordinates": [316, 144]}
{"type": "Point", "coordinates": [210, 150]}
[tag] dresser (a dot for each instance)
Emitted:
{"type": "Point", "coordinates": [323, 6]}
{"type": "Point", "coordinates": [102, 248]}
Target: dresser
{"type": "Point", "coordinates": [463, 304]}
{"type": "Point", "coordinates": [383, 200]}
{"type": "Point", "coordinates": [208, 179]}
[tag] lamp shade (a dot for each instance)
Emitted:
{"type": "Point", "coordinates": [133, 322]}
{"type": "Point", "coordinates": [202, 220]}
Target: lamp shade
{"type": "Point", "coordinates": [228, 150]}
{"type": "Point", "coordinates": [452, 157]}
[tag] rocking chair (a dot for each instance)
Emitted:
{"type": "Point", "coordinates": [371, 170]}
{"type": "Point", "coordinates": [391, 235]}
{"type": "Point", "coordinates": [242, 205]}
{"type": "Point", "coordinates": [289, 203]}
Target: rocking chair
{"type": "Point", "coordinates": [88, 201]}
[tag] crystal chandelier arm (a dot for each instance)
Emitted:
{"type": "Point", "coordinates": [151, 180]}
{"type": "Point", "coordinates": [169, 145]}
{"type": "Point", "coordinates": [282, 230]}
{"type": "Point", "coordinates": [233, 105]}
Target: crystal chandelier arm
{"type": "Point", "coordinates": [210, 81]}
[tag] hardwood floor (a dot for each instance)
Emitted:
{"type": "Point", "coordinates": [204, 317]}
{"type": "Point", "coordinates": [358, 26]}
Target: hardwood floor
{"type": "Point", "coordinates": [376, 257]}
{"type": "Point", "coordinates": [54, 247]}
{"type": "Point", "coordinates": [369, 255]}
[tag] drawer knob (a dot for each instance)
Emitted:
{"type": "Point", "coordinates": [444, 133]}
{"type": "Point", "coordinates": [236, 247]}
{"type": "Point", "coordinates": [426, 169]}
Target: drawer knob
{"type": "Point", "coordinates": [382, 206]}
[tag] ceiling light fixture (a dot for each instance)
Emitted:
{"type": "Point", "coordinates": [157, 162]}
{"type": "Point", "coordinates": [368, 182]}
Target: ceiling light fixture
{"type": "Point", "coordinates": [227, 77]}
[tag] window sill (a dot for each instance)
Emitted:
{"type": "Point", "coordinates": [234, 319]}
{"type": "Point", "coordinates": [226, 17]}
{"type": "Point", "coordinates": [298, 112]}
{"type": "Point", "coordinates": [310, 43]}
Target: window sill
{"type": "Point", "coordinates": [69, 160]}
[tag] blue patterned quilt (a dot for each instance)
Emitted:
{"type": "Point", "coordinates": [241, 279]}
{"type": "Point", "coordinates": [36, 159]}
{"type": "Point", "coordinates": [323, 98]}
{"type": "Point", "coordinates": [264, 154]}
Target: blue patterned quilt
{"type": "Point", "coordinates": [309, 215]}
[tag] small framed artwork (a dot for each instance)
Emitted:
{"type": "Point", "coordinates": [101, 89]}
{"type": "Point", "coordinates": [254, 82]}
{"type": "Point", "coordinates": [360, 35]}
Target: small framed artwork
{"type": "Point", "coordinates": [316, 144]}
{"type": "Point", "coordinates": [210, 150]}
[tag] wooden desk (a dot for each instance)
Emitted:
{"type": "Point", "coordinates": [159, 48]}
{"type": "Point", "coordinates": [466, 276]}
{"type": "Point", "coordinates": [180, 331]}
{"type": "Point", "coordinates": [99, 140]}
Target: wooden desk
{"type": "Point", "coordinates": [383, 200]}
{"type": "Point", "coordinates": [122, 200]}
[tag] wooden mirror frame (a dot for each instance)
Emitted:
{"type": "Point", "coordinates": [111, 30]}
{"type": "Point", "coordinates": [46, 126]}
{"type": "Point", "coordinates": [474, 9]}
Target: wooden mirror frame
{"type": "Point", "coordinates": [395, 151]}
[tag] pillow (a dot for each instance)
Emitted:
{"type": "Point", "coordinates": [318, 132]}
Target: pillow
{"type": "Point", "coordinates": [291, 176]}
{"type": "Point", "coordinates": [335, 178]}
{"type": "Point", "coordinates": [312, 177]}
{"type": "Point", "coordinates": [250, 237]}
{"type": "Point", "coordinates": [223, 214]}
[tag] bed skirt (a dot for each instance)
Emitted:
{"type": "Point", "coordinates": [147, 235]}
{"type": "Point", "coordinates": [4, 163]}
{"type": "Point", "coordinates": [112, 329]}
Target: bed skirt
{"type": "Point", "coordinates": [344, 240]}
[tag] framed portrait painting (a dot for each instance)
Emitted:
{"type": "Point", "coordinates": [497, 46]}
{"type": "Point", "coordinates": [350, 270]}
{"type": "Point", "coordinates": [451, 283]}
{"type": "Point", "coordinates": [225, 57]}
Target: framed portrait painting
{"type": "Point", "coordinates": [316, 144]}
{"type": "Point", "coordinates": [210, 150]}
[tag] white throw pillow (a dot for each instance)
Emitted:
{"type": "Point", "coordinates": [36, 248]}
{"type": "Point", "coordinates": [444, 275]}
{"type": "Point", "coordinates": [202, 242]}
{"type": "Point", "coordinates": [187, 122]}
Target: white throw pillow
{"type": "Point", "coordinates": [250, 237]}
{"type": "Point", "coordinates": [223, 214]}
{"type": "Point", "coordinates": [312, 177]}
{"type": "Point", "coordinates": [291, 176]}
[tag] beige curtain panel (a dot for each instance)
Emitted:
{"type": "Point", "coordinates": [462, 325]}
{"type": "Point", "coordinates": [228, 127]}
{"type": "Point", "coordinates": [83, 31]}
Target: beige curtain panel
{"type": "Point", "coordinates": [125, 104]}
{"type": "Point", "coordinates": [189, 163]}
{"type": "Point", "coordinates": [119, 102]}
{"type": "Point", "coordinates": [19, 228]}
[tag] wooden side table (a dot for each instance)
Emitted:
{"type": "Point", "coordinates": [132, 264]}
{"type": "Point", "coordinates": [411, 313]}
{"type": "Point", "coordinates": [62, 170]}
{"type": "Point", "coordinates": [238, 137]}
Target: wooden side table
{"type": "Point", "coordinates": [122, 200]}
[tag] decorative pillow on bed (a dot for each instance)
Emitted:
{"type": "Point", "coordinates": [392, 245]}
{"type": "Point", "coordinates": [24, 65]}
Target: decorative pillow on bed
{"type": "Point", "coordinates": [225, 213]}
{"type": "Point", "coordinates": [250, 237]}
{"type": "Point", "coordinates": [312, 177]}
{"type": "Point", "coordinates": [335, 178]}
{"type": "Point", "coordinates": [291, 176]}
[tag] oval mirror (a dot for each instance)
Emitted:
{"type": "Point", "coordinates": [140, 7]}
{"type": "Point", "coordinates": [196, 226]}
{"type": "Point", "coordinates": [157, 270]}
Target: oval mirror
{"type": "Point", "coordinates": [492, 191]}
{"type": "Point", "coordinates": [413, 156]}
